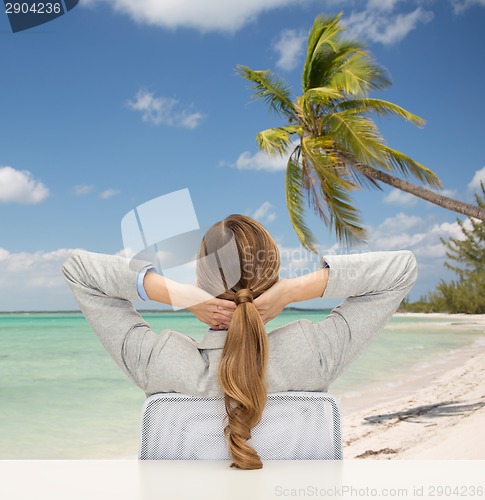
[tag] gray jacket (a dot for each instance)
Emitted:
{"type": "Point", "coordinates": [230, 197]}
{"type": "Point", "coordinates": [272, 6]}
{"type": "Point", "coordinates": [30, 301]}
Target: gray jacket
{"type": "Point", "coordinates": [303, 356]}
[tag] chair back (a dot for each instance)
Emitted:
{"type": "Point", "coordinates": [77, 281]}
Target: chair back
{"type": "Point", "coordinates": [294, 426]}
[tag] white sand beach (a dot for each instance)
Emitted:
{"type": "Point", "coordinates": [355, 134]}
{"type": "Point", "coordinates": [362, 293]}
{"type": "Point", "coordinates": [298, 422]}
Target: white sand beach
{"type": "Point", "coordinates": [440, 415]}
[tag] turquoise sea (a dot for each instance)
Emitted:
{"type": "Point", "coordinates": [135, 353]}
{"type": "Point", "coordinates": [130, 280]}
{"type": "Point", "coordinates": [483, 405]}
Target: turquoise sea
{"type": "Point", "coordinates": [62, 397]}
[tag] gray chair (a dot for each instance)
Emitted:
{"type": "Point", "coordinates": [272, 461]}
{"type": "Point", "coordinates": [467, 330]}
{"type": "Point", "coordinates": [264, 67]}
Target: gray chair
{"type": "Point", "coordinates": [294, 426]}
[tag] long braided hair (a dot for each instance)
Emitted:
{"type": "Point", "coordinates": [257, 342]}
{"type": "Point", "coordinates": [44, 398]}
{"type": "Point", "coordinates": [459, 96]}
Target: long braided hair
{"type": "Point", "coordinates": [242, 368]}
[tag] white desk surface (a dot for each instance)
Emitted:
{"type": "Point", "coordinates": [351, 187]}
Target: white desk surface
{"type": "Point", "coordinates": [150, 480]}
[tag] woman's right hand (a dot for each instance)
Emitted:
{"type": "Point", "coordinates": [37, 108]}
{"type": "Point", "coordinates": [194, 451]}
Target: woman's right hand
{"type": "Point", "coordinates": [310, 286]}
{"type": "Point", "coordinates": [271, 302]}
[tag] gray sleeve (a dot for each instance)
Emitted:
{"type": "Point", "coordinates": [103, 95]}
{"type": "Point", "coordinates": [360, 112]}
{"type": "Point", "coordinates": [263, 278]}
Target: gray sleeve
{"type": "Point", "coordinates": [374, 284]}
{"type": "Point", "coordinates": [103, 286]}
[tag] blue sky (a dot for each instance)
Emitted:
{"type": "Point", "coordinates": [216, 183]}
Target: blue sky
{"type": "Point", "coordinates": [119, 102]}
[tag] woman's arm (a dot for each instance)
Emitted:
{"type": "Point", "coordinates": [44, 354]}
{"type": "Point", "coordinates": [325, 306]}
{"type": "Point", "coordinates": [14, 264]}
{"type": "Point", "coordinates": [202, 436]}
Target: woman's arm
{"type": "Point", "coordinates": [215, 312]}
{"type": "Point", "coordinates": [374, 284]}
{"type": "Point", "coordinates": [104, 286]}
{"type": "Point", "coordinates": [284, 292]}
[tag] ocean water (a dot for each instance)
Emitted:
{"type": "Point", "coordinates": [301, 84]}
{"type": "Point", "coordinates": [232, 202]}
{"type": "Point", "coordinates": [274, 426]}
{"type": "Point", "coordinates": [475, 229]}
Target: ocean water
{"type": "Point", "coordinates": [62, 396]}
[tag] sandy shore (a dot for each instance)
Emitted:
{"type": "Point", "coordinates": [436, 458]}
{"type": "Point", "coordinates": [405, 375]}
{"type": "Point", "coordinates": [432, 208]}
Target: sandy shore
{"type": "Point", "coordinates": [441, 415]}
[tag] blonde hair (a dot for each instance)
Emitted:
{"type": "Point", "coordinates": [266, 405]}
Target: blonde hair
{"type": "Point", "coordinates": [242, 369]}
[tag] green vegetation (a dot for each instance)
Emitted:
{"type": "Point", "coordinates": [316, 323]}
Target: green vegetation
{"type": "Point", "coordinates": [333, 144]}
{"type": "Point", "coordinates": [467, 293]}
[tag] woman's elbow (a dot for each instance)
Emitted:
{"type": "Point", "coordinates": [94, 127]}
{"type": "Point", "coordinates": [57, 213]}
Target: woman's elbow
{"type": "Point", "coordinates": [71, 267]}
{"type": "Point", "coordinates": [411, 269]}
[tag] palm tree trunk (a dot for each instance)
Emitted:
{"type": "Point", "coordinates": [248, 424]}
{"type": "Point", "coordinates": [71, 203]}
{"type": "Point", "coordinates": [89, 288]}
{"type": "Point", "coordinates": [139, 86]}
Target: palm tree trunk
{"type": "Point", "coordinates": [421, 192]}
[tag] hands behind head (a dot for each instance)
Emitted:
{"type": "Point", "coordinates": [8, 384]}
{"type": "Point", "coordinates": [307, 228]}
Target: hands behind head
{"type": "Point", "coordinates": [217, 313]}
{"type": "Point", "coordinates": [271, 302]}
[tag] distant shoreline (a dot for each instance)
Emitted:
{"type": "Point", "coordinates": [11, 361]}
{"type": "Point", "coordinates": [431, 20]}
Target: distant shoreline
{"type": "Point", "coordinates": [286, 309]}
{"type": "Point", "coordinates": [163, 311]}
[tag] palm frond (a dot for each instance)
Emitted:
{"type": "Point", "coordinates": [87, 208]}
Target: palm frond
{"type": "Point", "coordinates": [407, 166]}
{"type": "Point", "coordinates": [267, 87]}
{"type": "Point", "coordinates": [276, 141]}
{"type": "Point", "coordinates": [358, 74]}
{"type": "Point", "coordinates": [327, 62]}
{"type": "Point", "coordinates": [342, 169]}
{"type": "Point", "coordinates": [359, 137]}
{"type": "Point", "coordinates": [334, 191]}
{"type": "Point", "coordinates": [324, 31]}
{"type": "Point", "coordinates": [311, 184]}
{"type": "Point", "coordinates": [321, 96]}
{"type": "Point", "coordinates": [381, 107]}
{"type": "Point", "coordinates": [356, 134]}
{"type": "Point", "coordinates": [335, 61]}
{"type": "Point", "coordinates": [294, 203]}
{"type": "Point", "coordinates": [326, 146]}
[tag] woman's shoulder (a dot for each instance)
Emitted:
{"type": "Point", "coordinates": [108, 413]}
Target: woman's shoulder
{"type": "Point", "coordinates": [294, 326]}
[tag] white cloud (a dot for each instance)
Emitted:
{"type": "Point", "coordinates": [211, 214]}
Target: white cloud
{"type": "Point", "coordinates": [446, 192]}
{"type": "Point", "coordinates": [414, 233]}
{"type": "Point", "coordinates": [398, 197]}
{"type": "Point", "coordinates": [164, 111]}
{"type": "Point", "coordinates": [394, 233]}
{"type": "Point", "coordinates": [297, 261]}
{"type": "Point", "coordinates": [4, 254]}
{"type": "Point", "coordinates": [400, 222]}
{"type": "Point", "coordinates": [474, 184]}
{"type": "Point", "coordinates": [33, 281]}
{"type": "Point", "coordinates": [19, 186]}
{"type": "Point", "coordinates": [260, 161]}
{"type": "Point", "coordinates": [461, 5]}
{"type": "Point", "coordinates": [451, 229]}
{"type": "Point", "coordinates": [379, 23]}
{"type": "Point", "coordinates": [210, 15]}
{"type": "Point", "coordinates": [384, 5]}
{"type": "Point", "coordinates": [108, 193]}
{"type": "Point", "coordinates": [83, 189]}
{"type": "Point", "coordinates": [189, 120]}
{"type": "Point", "coordinates": [405, 199]}
{"type": "Point", "coordinates": [230, 16]}
{"type": "Point", "coordinates": [289, 48]}
{"type": "Point", "coordinates": [264, 213]}
{"type": "Point", "coordinates": [421, 235]}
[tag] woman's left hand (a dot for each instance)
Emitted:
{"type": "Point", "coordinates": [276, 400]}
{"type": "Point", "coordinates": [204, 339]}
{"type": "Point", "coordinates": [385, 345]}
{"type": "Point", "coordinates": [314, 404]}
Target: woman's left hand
{"type": "Point", "coordinates": [216, 313]}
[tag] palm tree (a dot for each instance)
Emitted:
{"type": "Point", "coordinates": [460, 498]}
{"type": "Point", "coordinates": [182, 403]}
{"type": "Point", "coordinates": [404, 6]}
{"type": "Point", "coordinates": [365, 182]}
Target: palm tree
{"type": "Point", "coordinates": [338, 147]}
